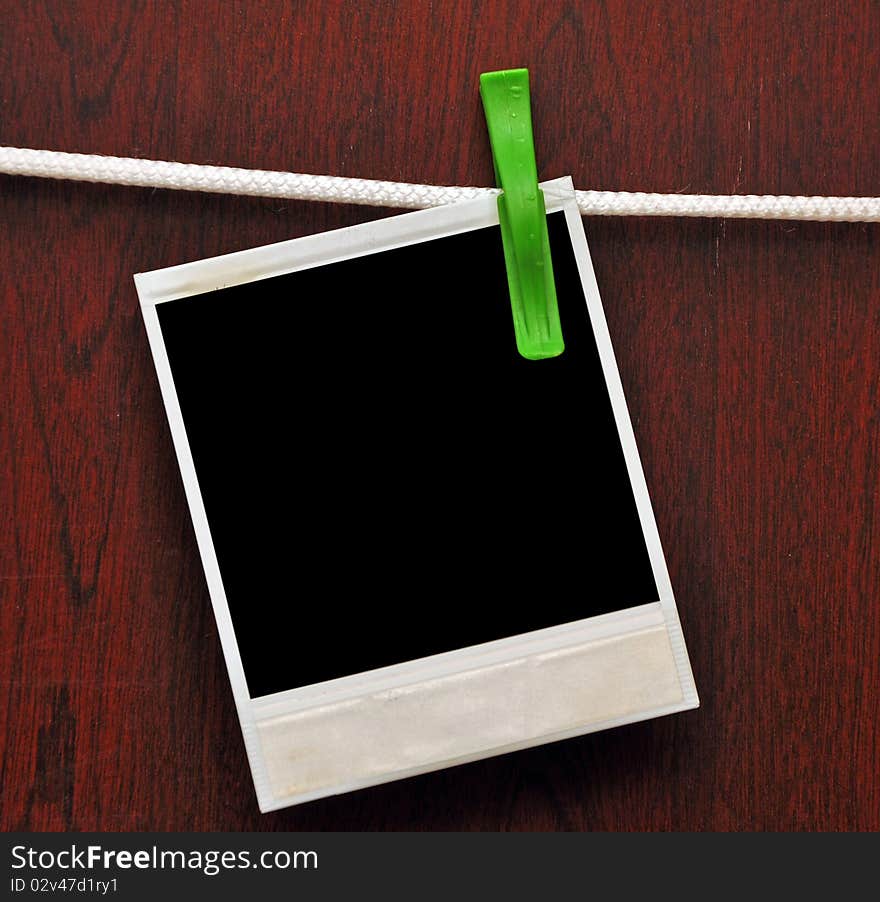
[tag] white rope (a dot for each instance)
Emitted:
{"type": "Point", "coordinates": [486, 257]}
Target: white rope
{"type": "Point", "coordinates": [338, 189]}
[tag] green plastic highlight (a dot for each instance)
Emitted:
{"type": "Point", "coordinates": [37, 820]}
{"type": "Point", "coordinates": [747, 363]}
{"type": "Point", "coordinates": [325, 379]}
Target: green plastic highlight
{"type": "Point", "coordinates": [522, 214]}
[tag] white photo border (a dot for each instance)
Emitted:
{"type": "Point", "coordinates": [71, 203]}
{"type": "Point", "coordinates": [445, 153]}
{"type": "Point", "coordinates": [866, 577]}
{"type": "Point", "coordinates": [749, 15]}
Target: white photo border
{"type": "Point", "coordinates": [204, 276]}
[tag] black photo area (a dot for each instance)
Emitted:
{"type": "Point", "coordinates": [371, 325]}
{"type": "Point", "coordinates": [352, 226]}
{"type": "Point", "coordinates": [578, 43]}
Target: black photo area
{"type": "Point", "coordinates": [385, 477]}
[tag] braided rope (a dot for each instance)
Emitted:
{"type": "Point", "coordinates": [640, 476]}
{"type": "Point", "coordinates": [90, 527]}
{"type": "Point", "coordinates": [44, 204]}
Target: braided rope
{"type": "Point", "coordinates": [338, 189]}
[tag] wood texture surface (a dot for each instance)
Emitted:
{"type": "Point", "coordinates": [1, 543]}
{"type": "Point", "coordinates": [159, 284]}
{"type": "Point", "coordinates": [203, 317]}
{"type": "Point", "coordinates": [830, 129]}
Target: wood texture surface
{"type": "Point", "coordinates": [750, 353]}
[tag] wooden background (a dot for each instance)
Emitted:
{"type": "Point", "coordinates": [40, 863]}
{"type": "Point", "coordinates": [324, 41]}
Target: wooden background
{"type": "Point", "coordinates": [750, 353]}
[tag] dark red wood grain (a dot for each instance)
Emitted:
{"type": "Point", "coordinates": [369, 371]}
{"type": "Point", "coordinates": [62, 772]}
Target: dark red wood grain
{"type": "Point", "coordinates": [750, 353]}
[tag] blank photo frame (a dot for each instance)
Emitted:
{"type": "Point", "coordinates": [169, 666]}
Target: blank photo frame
{"type": "Point", "coordinates": [421, 548]}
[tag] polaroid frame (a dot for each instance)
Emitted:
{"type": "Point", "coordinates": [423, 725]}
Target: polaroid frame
{"type": "Point", "coordinates": [463, 705]}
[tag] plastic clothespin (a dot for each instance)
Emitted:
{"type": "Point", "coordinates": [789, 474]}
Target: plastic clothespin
{"type": "Point", "coordinates": [522, 214]}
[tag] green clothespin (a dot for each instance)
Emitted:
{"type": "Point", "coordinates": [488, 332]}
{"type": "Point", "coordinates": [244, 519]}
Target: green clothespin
{"type": "Point", "coordinates": [522, 214]}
